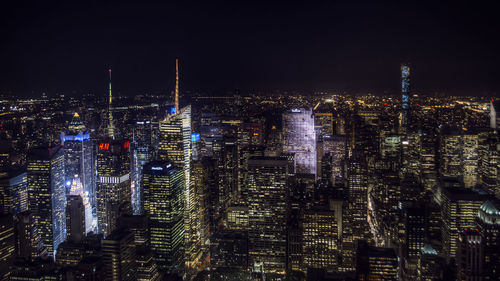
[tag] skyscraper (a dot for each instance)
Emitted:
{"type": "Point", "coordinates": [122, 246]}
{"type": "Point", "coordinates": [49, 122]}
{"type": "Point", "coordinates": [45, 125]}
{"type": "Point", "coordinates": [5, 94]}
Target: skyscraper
{"type": "Point", "coordinates": [405, 96]}
{"type": "Point", "coordinates": [118, 251]}
{"type": "Point", "coordinates": [175, 146]}
{"type": "Point", "coordinates": [267, 207]}
{"type": "Point", "coordinates": [79, 157]}
{"type": "Point", "coordinates": [163, 187]}
{"type": "Point", "coordinates": [459, 210]}
{"type": "Point", "coordinates": [29, 245]}
{"type": "Point", "coordinates": [300, 139]}
{"type": "Point", "coordinates": [111, 127]}
{"type": "Point", "coordinates": [47, 195]}
{"type": "Point", "coordinates": [75, 218]}
{"type": "Point", "coordinates": [488, 222]}
{"type": "Point", "coordinates": [470, 255]}
{"type": "Point", "coordinates": [113, 183]}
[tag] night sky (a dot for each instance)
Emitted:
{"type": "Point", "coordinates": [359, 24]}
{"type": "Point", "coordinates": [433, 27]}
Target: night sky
{"type": "Point", "coordinates": [61, 47]}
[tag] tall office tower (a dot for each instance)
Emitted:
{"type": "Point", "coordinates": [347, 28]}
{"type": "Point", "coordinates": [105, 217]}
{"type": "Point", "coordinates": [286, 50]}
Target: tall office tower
{"type": "Point", "coordinates": [175, 146]}
{"type": "Point", "coordinates": [489, 159]}
{"type": "Point", "coordinates": [320, 239]}
{"type": "Point", "coordinates": [139, 226]}
{"type": "Point", "coordinates": [201, 221]}
{"type": "Point", "coordinates": [175, 140]}
{"type": "Point", "coordinates": [427, 161]}
{"type": "Point", "coordinates": [300, 138]}
{"type": "Point", "coordinates": [111, 127]}
{"type": "Point", "coordinates": [13, 192]}
{"type": "Point", "coordinates": [405, 96]}
{"type": "Point", "coordinates": [47, 194]}
{"type": "Point", "coordinates": [142, 153]}
{"type": "Point", "coordinates": [267, 207]}
{"type": "Point", "coordinates": [470, 255]}
{"type": "Point", "coordinates": [7, 242]}
{"type": "Point", "coordinates": [413, 228]}
{"type": "Point", "coordinates": [29, 245]}
{"type": "Point", "coordinates": [118, 251]}
{"type": "Point", "coordinates": [75, 218]}
{"type": "Point", "coordinates": [375, 263]}
{"type": "Point", "coordinates": [79, 157]}
{"type": "Point", "coordinates": [459, 209]}
{"type": "Point", "coordinates": [113, 183]}
{"type": "Point", "coordinates": [494, 114]}
{"type": "Point", "coordinates": [227, 166]}
{"type": "Point", "coordinates": [356, 226]}
{"type": "Point", "coordinates": [459, 155]}
{"type": "Point", "coordinates": [470, 158]}
{"type": "Point", "coordinates": [246, 153]}
{"type": "Point", "coordinates": [76, 189]}
{"type": "Point", "coordinates": [488, 222]}
{"type": "Point", "coordinates": [163, 187]}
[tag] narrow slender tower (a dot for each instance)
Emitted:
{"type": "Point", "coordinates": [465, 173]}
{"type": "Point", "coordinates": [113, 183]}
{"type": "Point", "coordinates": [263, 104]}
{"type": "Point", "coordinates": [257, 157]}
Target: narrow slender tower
{"type": "Point", "coordinates": [111, 129]}
{"type": "Point", "coordinates": [176, 85]}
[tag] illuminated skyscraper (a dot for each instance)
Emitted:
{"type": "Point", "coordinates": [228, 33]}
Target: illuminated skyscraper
{"type": "Point", "coordinates": [267, 212]}
{"type": "Point", "coordinates": [13, 192]}
{"type": "Point", "coordinates": [163, 187]}
{"type": "Point", "coordinates": [175, 146]}
{"type": "Point", "coordinates": [113, 183]}
{"type": "Point", "coordinates": [47, 195]}
{"type": "Point", "coordinates": [488, 222]}
{"type": "Point", "coordinates": [79, 157]}
{"type": "Point", "coordinates": [6, 243]}
{"type": "Point", "coordinates": [29, 245]}
{"type": "Point", "coordinates": [142, 153]}
{"type": "Point", "coordinates": [320, 239]}
{"type": "Point", "coordinates": [459, 155]}
{"type": "Point", "coordinates": [405, 96]}
{"type": "Point", "coordinates": [459, 210]}
{"type": "Point", "coordinates": [405, 86]}
{"type": "Point", "coordinates": [111, 127]}
{"type": "Point", "coordinates": [470, 255]}
{"type": "Point", "coordinates": [300, 139]}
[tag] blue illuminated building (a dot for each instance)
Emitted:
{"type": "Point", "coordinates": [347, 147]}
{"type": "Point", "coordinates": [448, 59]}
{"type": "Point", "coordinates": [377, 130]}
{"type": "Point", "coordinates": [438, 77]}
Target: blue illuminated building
{"type": "Point", "coordinates": [78, 157]}
{"type": "Point", "coordinates": [405, 86]}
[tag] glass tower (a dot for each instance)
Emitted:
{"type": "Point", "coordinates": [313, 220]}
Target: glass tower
{"type": "Point", "coordinates": [47, 195]}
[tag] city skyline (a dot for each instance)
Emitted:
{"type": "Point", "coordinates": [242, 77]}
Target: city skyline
{"type": "Point", "coordinates": [249, 141]}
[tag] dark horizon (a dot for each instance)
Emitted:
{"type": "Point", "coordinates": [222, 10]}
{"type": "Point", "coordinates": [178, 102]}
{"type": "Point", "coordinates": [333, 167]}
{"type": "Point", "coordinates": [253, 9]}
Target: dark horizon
{"type": "Point", "coordinates": [355, 47]}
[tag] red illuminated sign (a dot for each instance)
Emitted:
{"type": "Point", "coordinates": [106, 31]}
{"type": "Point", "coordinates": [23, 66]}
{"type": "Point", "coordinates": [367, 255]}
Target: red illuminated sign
{"type": "Point", "coordinates": [126, 144]}
{"type": "Point", "coordinates": [103, 146]}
